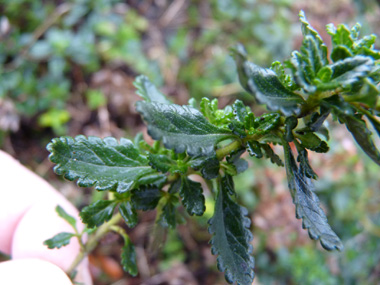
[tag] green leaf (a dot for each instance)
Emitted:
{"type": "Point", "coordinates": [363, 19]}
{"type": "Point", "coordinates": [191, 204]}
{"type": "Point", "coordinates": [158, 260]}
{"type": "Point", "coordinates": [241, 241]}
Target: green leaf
{"type": "Point", "coordinates": [347, 72]}
{"type": "Point", "coordinates": [305, 167]}
{"type": "Point", "coordinates": [312, 57]}
{"type": "Point", "coordinates": [269, 153]}
{"type": "Point", "coordinates": [374, 121]}
{"type": "Point", "coordinates": [285, 79]}
{"type": "Point", "coordinates": [254, 149]}
{"type": "Point", "coordinates": [192, 196]}
{"type": "Point", "coordinates": [240, 164]}
{"type": "Point", "coordinates": [240, 111]}
{"type": "Point", "coordinates": [308, 30]}
{"type": "Point", "coordinates": [146, 198]}
{"type": "Point", "coordinates": [231, 238]}
{"type": "Point", "coordinates": [128, 213]}
{"type": "Point", "coordinates": [59, 240]}
{"type": "Point", "coordinates": [341, 35]}
{"type": "Point", "coordinates": [128, 258]}
{"type": "Point", "coordinates": [317, 119]}
{"type": "Point", "coordinates": [312, 142]}
{"type": "Point", "coordinates": [357, 127]}
{"type": "Point", "coordinates": [264, 85]}
{"type": "Point", "coordinates": [148, 91]}
{"type": "Point", "coordinates": [307, 204]}
{"type": "Point", "coordinates": [161, 162]}
{"type": "Point", "coordinates": [107, 164]}
{"type": "Point", "coordinates": [64, 215]}
{"type": "Point", "coordinates": [362, 135]}
{"type": "Point", "coordinates": [182, 128]}
{"type": "Point", "coordinates": [97, 213]}
{"type": "Point", "coordinates": [367, 94]}
{"type": "Point", "coordinates": [265, 123]}
{"type": "Point", "coordinates": [209, 166]}
{"type": "Point", "coordinates": [346, 43]}
{"type": "Point", "coordinates": [290, 124]}
{"type": "Point", "coordinates": [167, 214]}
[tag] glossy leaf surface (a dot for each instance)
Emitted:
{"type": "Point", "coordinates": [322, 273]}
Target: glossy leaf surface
{"type": "Point", "coordinates": [181, 128]}
{"type": "Point", "coordinates": [107, 164]}
{"type": "Point", "coordinates": [97, 213]}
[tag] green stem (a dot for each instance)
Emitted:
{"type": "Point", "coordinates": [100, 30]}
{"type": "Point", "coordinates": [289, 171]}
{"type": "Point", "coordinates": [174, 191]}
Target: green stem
{"type": "Point", "coordinates": [226, 150]}
{"type": "Point", "coordinates": [93, 241]}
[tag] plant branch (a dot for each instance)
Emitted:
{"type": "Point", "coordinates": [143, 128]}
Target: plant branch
{"type": "Point", "coordinates": [93, 242]}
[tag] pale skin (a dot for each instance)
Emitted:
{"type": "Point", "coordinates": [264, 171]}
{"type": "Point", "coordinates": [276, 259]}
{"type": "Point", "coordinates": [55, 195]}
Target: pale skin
{"type": "Point", "coordinates": [27, 219]}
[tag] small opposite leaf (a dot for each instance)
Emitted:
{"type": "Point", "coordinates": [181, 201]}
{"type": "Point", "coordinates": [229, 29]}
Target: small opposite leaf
{"type": "Point", "coordinates": [305, 167]}
{"type": "Point", "coordinates": [128, 258]}
{"type": "Point", "coordinates": [307, 204]}
{"type": "Point", "coordinates": [181, 128]}
{"type": "Point", "coordinates": [210, 167]}
{"type": "Point", "coordinates": [105, 163]}
{"type": "Point", "coordinates": [192, 196]}
{"type": "Point", "coordinates": [269, 153]}
{"type": "Point", "coordinates": [97, 213]}
{"type": "Point", "coordinates": [254, 149]}
{"type": "Point", "coordinates": [128, 213]}
{"type": "Point", "coordinates": [167, 214]}
{"type": "Point", "coordinates": [62, 213]}
{"type": "Point", "coordinates": [312, 142]}
{"type": "Point", "coordinates": [231, 239]}
{"type": "Point", "coordinates": [146, 198]}
{"type": "Point", "coordinates": [149, 91]}
{"type": "Point", "coordinates": [59, 240]}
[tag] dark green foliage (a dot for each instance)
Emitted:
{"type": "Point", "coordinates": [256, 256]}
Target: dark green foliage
{"type": "Point", "coordinates": [211, 142]}
{"type": "Point", "coordinates": [146, 198]}
{"type": "Point", "coordinates": [307, 204]}
{"type": "Point", "coordinates": [192, 197]}
{"type": "Point", "coordinates": [128, 258]}
{"type": "Point", "coordinates": [181, 128]}
{"type": "Point", "coordinates": [128, 213]}
{"type": "Point", "coordinates": [107, 164]}
{"type": "Point", "coordinates": [97, 213]}
{"type": "Point", "coordinates": [265, 86]}
{"type": "Point", "coordinates": [231, 237]}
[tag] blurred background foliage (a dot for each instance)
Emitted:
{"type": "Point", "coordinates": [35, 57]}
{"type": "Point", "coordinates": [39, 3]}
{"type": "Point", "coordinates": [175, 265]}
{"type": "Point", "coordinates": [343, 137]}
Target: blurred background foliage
{"type": "Point", "coordinates": [67, 67]}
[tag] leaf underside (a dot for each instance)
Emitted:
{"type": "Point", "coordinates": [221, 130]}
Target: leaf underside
{"type": "Point", "coordinates": [231, 238]}
{"type": "Point", "coordinates": [181, 128]}
{"type": "Point", "coordinates": [105, 164]}
{"type": "Point", "coordinates": [307, 205]}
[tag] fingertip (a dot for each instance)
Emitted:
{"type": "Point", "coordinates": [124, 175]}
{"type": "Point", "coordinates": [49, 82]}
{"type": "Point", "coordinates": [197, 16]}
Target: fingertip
{"type": "Point", "coordinates": [32, 271]}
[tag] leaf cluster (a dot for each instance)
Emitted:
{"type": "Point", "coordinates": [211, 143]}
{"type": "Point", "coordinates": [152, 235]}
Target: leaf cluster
{"type": "Point", "coordinates": [207, 141]}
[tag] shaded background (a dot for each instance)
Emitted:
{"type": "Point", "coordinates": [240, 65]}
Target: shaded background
{"type": "Point", "coordinates": [67, 68]}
